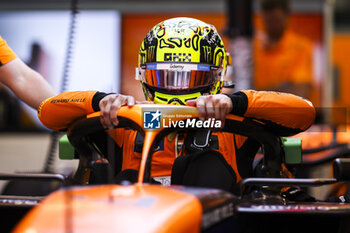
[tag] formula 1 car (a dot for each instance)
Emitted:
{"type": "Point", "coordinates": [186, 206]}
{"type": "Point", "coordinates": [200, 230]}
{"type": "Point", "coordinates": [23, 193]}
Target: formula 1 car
{"type": "Point", "coordinates": [92, 204]}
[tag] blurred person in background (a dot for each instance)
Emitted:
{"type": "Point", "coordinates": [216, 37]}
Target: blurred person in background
{"type": "Point", "coordinates": [26, 83]}
{"type": "Point", "coordinates": [283, 59]}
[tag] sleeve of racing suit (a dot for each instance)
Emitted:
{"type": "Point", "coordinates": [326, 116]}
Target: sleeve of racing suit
{"type": "Point", "coordinates": [6, 53]}
{"type": "Point", "coordinates": [283, 113]}
{"type": "Point", "coordinates": [59, 111]}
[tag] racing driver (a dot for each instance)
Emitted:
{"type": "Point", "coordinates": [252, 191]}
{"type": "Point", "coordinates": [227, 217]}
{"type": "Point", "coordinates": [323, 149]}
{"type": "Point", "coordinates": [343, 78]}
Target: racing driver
{"type": "Point", "coordinates": [183, 61]}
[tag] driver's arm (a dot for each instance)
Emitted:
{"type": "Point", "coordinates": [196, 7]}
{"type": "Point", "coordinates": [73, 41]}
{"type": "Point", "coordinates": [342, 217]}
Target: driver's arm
{"type": "Point", "coordinates": [59, 111]}
{"type": "Point", "coordinates": [283, 113]}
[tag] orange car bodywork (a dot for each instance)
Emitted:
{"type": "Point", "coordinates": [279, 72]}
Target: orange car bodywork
{"type": "Point", "coordinates": [114, 208]}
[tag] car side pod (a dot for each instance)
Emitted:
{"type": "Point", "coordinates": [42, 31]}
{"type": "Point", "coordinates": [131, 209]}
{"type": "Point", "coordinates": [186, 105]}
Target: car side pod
{"type": "Point", "coordinates": [341, 169]}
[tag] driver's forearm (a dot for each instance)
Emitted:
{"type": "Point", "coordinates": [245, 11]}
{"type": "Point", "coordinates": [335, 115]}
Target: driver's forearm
{"type": "Point", "coordinates": [60, 111]}
{"type": "Point", "coordinates": [286, 114]}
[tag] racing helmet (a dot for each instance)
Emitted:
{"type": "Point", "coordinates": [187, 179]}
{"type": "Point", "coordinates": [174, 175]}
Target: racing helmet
{"type": "Point", "coordinates": [181, 59]}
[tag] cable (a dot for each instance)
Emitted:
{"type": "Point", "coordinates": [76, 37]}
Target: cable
{"type": "Point", "coordinates": [55, 135]}
{"type": "Point", "coordinates": [70, 42]}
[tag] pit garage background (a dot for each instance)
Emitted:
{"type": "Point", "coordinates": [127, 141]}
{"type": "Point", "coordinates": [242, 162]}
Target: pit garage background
{"type": "Point", "coordinates": [108, 34]}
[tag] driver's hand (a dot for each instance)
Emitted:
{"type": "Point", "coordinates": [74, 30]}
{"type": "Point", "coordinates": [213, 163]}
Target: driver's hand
{"type": "Point", "coordinates": [109, 107]}
{"type": "Point", "coordinates": [212, 106]}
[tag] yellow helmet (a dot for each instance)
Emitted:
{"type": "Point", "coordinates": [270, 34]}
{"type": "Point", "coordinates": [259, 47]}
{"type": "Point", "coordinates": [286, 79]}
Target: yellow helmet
{"type": "Point", "coordinates": [181, 59]}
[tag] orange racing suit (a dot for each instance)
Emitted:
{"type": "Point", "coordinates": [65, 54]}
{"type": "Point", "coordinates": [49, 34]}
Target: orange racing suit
{"type": "Point", "coordinates": [285, 114]}
{"type": "Point", "coordinates": [6, 53]}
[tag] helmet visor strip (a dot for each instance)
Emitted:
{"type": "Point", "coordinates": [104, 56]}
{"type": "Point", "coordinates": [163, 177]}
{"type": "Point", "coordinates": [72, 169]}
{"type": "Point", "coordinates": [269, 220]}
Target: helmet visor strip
{"type": "Point", "coordinates": [177, 76]}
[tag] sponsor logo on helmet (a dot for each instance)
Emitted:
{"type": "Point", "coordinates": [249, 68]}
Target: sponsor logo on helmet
{"type": "Point", "coordinates": [177, 57]}
{"type": "Point", "coordinates": [176, 67]}
{"type": "Point", "coordinates": [203, 67]}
